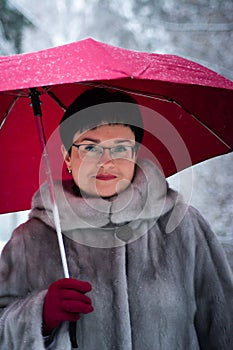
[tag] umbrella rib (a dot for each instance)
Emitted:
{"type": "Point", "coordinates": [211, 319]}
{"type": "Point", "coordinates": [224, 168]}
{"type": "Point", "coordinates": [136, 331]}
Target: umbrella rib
{"type": "Point", "coordinates": [8, 111]}
{"type": "Point", "coordinates": [160, 98]}
{"type": "Point", "coordinates": [56, 99]}
{"type": "Point", "coordinates": [203, 124]}
{"type": "Point", "coordinates": [18, 93]}
{"type": "Point", "coordinates": [135, 92]}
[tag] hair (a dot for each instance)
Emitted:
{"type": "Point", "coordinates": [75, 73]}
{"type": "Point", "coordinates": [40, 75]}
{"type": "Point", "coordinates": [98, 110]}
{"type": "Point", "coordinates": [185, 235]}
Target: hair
{"type": "Point", "coordinates": [96, 107]}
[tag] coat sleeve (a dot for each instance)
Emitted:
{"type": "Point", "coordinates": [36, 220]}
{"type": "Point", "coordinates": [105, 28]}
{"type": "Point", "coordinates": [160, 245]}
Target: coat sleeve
{"type": "Point", "coordinates": [20, 308]}
{"type": "Point", "coordinates": [213, 289]}
{"type": "Point", "coordinates": [22, 291]}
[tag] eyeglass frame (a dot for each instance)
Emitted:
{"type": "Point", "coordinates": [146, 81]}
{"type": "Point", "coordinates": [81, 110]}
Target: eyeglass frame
{"type": "Point", "coordinates": [133, 151]}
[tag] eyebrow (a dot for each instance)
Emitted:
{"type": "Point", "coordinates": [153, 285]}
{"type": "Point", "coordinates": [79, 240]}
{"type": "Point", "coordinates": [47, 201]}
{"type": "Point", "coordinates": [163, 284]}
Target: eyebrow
{"type": "Point", "coordinates": [118, 141]}
{"type": "Point", "coordinates": [89, 139]}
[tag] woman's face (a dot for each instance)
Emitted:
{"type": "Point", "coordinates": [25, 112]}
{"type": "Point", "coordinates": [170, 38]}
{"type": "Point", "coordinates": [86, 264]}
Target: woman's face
{"type": "Point", "coordinates": [102, 174]}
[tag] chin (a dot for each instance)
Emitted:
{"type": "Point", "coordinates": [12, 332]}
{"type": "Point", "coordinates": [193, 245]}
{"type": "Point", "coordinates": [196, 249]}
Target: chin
{"type": "Point", "coordinates": [98, 192]}
{"type": "Point", "coordinates": [105, 194]}
{"type": "Point", "coordinates": [104, 190]}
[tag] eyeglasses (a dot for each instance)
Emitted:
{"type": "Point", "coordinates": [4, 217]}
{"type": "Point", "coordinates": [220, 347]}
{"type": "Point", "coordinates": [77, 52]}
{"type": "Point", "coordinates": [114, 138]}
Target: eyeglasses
{"type": "Point", "coordinates": [91, 152]}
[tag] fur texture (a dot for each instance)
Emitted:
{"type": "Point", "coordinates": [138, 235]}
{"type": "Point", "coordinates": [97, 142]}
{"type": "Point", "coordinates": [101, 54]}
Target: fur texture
{"type": "Point", "coordinates": [158, 291]}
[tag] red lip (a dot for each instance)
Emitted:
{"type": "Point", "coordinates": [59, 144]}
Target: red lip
{"type": "Point", "coordinates": [105, 177]}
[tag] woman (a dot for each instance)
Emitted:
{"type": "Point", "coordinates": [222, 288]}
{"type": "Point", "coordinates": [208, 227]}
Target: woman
{"type": "Point", "coordinates": [133, 285]}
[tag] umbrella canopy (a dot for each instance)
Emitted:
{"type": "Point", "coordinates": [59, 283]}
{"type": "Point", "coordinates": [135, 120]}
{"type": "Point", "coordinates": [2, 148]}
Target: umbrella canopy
{"type": "Point", "coordinates": [187, 109]}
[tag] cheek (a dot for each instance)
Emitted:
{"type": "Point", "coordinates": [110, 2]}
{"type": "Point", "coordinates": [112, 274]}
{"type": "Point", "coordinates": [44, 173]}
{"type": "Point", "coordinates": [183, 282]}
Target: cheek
{"type": "Point", "coordinates": [126, 178]}
{"type": "Point", "coordinates": [82, 172]}
{"type": "Point", "coordinates": [128, 173]}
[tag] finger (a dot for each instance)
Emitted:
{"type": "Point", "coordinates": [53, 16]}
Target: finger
{"type": "Point", "coordinates": [72, 306]}
{"type": "Point", "coordinates": [71, 283]}
{"type": "Point", "coordinates": [74, 295]}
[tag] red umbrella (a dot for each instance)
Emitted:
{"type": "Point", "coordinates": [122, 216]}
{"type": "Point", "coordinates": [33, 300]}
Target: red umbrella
{"type": "Point", "coordinates": [187, 111]}
{"type": "Point", "coordinates": [193, 119]}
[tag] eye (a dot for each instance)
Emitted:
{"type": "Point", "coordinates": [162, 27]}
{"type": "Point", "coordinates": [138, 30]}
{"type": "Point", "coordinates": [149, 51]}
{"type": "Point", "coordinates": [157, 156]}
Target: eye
{"type": "Point", "coordinates": [91, 148]}
{"type": "Point", "coordinates": [120, 149]}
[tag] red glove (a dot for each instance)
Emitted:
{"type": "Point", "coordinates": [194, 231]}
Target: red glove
{"type": "Point", "coordinates": [64, 301]}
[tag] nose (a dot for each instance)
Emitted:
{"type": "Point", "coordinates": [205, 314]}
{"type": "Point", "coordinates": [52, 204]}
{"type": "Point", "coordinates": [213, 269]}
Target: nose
{"type": "Point", "coordinates": [105, 158]}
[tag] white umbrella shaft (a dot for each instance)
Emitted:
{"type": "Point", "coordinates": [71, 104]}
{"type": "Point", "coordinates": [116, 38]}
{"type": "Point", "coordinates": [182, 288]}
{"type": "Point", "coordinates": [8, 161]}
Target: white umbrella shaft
{"type": "Point", "coordinates": [52, 196]}
{"type": "Point", "coordinates": [34, 94]}
{"type": "Point", "coordinates": [60, 240]}
{"type": "Point", "coordinates": [72, 325]}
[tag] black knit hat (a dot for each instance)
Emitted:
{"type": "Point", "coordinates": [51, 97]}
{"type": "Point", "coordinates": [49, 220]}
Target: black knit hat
{"type": "Point", "coordinates": [99, 106]}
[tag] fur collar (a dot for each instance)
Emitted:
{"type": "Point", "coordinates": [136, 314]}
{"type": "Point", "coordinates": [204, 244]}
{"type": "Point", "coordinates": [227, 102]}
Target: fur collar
{"type": "Point", "coordinates": [148, 197]}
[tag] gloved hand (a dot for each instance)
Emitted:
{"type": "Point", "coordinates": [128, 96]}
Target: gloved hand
{"type": "Point", "coordinates": [64, 301]}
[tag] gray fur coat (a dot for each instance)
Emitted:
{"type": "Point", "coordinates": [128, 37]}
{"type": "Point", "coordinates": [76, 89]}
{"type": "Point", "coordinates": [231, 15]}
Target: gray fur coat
{"type": "Point", "coordinates": [160, 279]}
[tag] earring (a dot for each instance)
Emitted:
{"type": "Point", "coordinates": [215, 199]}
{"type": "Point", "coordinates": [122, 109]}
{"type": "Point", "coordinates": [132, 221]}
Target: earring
{"type": "Point", "coordinates": [69, 170]}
